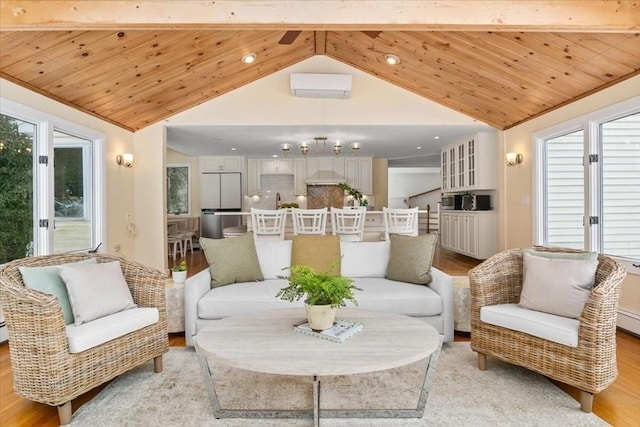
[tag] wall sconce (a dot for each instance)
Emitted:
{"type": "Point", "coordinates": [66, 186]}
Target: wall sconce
{"type": "Point", "coordinates": [125, 160]}
{"type": "Point", "coordinates": [514, 159]}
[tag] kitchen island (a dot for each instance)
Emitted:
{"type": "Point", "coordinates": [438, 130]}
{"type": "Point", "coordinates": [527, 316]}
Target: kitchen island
{"type": "Point", "coordinates": [373, 228]}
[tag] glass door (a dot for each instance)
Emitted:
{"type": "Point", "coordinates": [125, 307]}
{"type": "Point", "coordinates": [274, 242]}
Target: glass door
{"type": "Point", "coordinates": [73, 183]}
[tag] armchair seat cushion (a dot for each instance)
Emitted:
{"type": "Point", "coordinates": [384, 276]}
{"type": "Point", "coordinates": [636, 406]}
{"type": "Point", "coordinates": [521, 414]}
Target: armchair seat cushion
{"type": "Point", "coordinates": [99, 331]}
{"type": "Point", "coordinates": [561, 330]}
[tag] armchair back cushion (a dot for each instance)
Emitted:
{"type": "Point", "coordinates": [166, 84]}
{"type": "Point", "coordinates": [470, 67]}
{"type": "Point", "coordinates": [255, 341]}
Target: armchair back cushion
{"type": "Point", "coordinates": [557, 286]}
{"type": "Point", "coordinates": [47, 279]}
{"type": "Point", "coordinates": [96, 290]}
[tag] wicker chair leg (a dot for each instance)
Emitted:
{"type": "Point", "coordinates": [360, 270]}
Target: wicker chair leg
{"type": "Point", "coordinates": [482, 362]}
{"type": "Point", "coordinates": [64, 413]}
{"type": "Point", "coordinates": [157, 364]}
{"type": "Point", "coordinates": [586, 401]}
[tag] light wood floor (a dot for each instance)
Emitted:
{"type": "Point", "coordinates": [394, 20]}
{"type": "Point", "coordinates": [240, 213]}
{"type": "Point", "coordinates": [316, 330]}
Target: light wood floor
{"type": "Point", "coordinates": [619, 405]}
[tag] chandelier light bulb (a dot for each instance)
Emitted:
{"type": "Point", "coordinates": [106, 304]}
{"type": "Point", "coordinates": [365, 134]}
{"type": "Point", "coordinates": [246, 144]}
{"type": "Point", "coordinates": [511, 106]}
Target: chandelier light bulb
{"type": "Point", "coordinates": [285, 148]}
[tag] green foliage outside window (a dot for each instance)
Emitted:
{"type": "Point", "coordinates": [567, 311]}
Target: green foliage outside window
{"type": "Point", "coordinates": [16, 191]}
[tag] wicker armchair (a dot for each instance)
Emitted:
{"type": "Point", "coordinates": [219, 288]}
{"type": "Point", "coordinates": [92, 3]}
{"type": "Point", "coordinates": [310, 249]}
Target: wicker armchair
{"type": "Point", "coordinates": [591, 366]}
{"type": "Point", "coordinates": [43, 369]}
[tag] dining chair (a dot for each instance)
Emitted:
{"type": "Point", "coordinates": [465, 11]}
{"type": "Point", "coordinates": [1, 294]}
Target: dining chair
{"type": "Point", "coordinates": [309, 221]}
{"type": "Point", "coordinates": [268, 224]}
{"type": "Point", "coordinates": [348, 223]}
{"type": "Point", "coordinates": [400, 221]}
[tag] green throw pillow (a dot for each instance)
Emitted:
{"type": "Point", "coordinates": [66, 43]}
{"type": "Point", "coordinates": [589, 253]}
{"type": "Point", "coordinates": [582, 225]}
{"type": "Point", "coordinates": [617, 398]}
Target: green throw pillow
{"type": "Point", "coordinates": [410, 258]}
{"type": "Point", "coordinates": [232, 260]}
{"type": "Point", "coordinates": [48, 280]}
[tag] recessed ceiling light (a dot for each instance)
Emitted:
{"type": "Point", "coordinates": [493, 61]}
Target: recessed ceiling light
{"type": "Point", "coordinates": [436, 137]}
{"type": "Point", "coordinates": [392, 59]}
{"type": "Point", "coordinates": [274, 156]}
{"type": "Point", "coordinates": [233, 148]}
{"type": "Point", "coordinates": [418, 148]}
{"type": "Point", "coordinates": [249, 58]}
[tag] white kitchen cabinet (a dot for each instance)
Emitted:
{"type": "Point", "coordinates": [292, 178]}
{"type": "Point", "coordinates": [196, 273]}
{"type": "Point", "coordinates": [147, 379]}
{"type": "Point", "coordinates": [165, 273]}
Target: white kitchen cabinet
{"type": "Point", "coordinates": [300, 176]}
{"type": "Point", "coordinates": [325, 167]}
{"type": "Point", "coordinates": [470, 233]}
{"type": "Point", "coordinates": [365, 173]}
{"type": "Point", "coordinates": [277, 166]}
{"type": "Point", "coordinates": [470, 164]}
{"type": "Point", "coordinates": [220, 164]}
{"type": "Point", "coordinates": [358, 173]}
{"type": "Point", "coordinates": [254, 170]}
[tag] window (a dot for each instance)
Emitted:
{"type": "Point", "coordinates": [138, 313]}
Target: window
{"type": "Point", "coordinates": [50, 180]}
{"type": "Point", "coordinates": [17, 147]}
{"type": "Point", "coordinates": [588, 183]}
{"type": "Point", "coordinates": [178, 189]}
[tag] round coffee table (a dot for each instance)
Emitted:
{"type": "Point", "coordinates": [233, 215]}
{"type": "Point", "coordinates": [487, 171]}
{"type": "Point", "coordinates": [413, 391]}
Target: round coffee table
{"type": "Point", "coordinates": [265, 342]}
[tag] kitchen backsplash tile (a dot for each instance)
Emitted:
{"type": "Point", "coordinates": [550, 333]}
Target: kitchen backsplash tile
{"type": "Point", "coordinates": [270, 186]}
{"type": "Point", "coordinates": [320, 196]}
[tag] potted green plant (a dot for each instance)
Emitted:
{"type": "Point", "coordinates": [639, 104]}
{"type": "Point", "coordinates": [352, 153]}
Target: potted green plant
{"type": "Point", "coordinates": [323, 294]}
{"type": "Point", "coordinates": [179, 272]}
{"type": "Point", "coordinates": [356, 195]}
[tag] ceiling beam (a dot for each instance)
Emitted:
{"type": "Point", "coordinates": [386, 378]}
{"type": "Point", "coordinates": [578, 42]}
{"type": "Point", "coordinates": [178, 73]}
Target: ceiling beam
{"type": "Point", "coordinates": [366, 15]}
{"type": "Point", "coordinates": [320, 42]}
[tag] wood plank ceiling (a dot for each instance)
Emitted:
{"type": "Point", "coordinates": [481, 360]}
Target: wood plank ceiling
{"type": "Point", "coordinates": [134, 78]}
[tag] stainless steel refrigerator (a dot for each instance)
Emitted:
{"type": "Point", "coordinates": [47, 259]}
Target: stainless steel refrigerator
{"type": "Point", "coordinates": [219, 192]}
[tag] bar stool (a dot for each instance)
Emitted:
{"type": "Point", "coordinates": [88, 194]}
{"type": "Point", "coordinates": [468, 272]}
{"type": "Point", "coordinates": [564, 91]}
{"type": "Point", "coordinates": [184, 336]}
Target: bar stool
{"type": "Point", "coordinates": [268, 224]}
{"type": "Point", "coordinates": [309, 221]}
{"type": "Point", "coordinates": [348, 223]}
{"type": "Point", "coordinates": [400, 221]}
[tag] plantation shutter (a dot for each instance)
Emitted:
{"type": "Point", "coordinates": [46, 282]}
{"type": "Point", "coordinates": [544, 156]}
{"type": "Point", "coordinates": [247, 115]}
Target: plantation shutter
{"type": "Point", "coordinates": [564, 195]}
{"type": "Point", "coordinates": [620, 222]}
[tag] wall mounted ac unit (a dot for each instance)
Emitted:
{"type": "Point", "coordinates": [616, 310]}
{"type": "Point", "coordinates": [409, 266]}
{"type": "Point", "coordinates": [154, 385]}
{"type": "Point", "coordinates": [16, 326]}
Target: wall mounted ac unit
{"type": "Point", "coordinates": [310, 85]}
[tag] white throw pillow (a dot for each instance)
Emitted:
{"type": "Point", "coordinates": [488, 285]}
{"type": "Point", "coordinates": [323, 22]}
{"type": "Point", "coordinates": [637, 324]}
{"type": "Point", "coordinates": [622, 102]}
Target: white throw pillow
{"type": "Point", "coordinates": [364, 259]}
{"type": "Point", "coordinates": [557, 286]}
{"type": "Point", "coordinates": [273, 256]}
{"type": "Point", "coordinates": [96, 290]}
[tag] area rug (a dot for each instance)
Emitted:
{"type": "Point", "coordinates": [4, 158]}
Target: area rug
{"type": "Point", "coordinates": [461, 395]}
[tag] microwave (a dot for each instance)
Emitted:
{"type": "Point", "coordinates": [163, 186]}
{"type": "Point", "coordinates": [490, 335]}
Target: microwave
{"type": "Point", "coordinates": [451, 202]}
{"type": "Point", "coordinates": [476, 202]}
{"type": "Point", "coordinates": [446, 202]}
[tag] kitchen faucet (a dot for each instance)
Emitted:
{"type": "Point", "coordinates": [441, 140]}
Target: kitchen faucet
{"type": "Point", "coordinates": [278, 199]}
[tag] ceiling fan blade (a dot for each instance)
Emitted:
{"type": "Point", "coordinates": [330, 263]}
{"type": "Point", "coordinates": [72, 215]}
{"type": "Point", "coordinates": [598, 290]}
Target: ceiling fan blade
{"type": "Point", "coordinates": [372, 34]}
{"type": "Point", "coordinates": [289, 37]}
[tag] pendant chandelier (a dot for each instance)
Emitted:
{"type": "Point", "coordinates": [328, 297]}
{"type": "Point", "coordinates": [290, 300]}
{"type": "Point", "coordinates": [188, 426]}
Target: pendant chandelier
{"type": "Point", "coordinates": [321, 147]}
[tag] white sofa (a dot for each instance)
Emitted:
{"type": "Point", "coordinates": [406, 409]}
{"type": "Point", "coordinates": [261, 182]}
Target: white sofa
{"type": "Point", "coordinates": [365, 262]}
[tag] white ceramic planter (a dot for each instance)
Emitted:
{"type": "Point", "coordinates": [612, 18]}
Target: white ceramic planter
{"type": "Point", "coordinates": [179, 276]}
{"type": "Point", "coordinates": [320, 317]}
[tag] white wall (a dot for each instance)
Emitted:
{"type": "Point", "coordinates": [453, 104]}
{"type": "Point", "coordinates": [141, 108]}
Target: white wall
{"type": "Point", "coordinates": [405, 182]}
{"type": "Point", "coordinates": [120, 181]}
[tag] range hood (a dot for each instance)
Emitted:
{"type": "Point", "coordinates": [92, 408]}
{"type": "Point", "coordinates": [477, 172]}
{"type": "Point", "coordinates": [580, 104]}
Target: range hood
{"type": "Point", "coordinates": [325, 178]}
